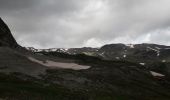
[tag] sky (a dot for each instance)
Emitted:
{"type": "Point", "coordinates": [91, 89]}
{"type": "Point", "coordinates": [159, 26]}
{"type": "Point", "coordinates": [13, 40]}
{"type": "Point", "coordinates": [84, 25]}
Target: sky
{"type": "Point", "coordinates": [87, 23]}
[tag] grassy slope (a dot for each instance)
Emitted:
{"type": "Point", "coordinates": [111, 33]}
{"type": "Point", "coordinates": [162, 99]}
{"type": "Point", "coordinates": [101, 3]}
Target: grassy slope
{"type": "Point", "coordinates": [106, 80]}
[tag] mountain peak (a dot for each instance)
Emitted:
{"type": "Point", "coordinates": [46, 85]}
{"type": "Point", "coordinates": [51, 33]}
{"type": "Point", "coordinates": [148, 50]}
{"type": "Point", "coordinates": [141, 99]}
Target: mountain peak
{"type": "Point", "coordinates": [6, 38]}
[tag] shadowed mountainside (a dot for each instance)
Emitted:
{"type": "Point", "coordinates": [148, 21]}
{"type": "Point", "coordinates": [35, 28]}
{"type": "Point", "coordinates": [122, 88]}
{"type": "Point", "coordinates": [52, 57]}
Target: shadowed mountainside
{"type": "Point", "coordinates": [6, 38]}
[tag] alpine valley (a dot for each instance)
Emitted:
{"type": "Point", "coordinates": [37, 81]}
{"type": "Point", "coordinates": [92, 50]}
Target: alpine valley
{"type": "Point", "coordinates": [111, 72]}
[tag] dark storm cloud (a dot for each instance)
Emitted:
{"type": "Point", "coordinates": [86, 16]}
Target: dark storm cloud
{"type": "Point", "coordinates": [8, 5]}
{"type": "Point", "coordinates": [75, 23]}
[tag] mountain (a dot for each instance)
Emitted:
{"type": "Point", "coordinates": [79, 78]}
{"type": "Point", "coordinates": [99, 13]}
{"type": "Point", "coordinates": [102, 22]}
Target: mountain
{"type": "Point", "coordinates": [77, 74]}
{"type": "Point", "coordinates": [129, 52]}
{"type": "Point", "coordinates": [153, 57]}
{"type": "Point", "coordinates": [13, 57]}
{"type": "Point", "coordinates": [137, 51]}
{"type": "Point", "coordinates": [6, 38]}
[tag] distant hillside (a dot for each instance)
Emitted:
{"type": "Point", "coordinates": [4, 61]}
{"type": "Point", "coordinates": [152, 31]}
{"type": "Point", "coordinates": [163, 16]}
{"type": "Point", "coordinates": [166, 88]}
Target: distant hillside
{"type": "Point", "coordinates": [141, 53]}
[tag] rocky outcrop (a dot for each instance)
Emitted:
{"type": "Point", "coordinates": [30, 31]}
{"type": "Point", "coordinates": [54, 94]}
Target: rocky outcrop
{"type": "Point", "coordinates": [6, 38]}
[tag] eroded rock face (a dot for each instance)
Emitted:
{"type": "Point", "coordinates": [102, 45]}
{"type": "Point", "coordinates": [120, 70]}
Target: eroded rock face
{"type": "Point", "coordinates": [6, 38]}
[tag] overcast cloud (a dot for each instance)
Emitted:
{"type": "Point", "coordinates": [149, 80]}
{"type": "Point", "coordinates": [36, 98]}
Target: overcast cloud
{"type": "Point", "coordinates": [78, 23]}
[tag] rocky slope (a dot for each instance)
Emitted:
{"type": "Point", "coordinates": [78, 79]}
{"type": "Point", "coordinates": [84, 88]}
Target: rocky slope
{"type": "Point", "coordinates": [139, 52]}
{"type": "Point", "coordinates": [6, 38]}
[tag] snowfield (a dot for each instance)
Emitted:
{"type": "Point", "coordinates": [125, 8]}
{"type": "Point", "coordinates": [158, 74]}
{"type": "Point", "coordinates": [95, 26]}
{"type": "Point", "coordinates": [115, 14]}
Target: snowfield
{"type": "Point", "coordinates": [53, 64]}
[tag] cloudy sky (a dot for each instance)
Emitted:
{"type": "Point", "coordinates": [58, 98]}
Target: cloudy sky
{"type": "Point", "coordinates": [78, 23]}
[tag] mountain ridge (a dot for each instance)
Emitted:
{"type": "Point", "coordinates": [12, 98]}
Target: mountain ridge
{"type": "Point", "coordinates": [116, 51]}
{"type": "Point", "coordinates": [6, 37]}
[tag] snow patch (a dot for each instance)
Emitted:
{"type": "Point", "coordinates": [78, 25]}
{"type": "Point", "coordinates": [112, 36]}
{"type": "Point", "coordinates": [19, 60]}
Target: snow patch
{"type": "Point", "coordinates": [53, 64]}
{"type": "Point", "coordinates": [155, 74]}
{"type": "Point", "coordinates": [158, 48]}
{"type": "Point", "coordinates": [163, 60]}
{"type": "Point", "coordinates": [143, 64]}
{"type": "Point", "coordinates": [130, 45]}
{"type": "Point", "coordinates": [117, 58]}
{"type": "Point", "coordinates": [66, 49]}
{"type": "Point", "coordinates": [157, 51]}
{"type": "Point", "coordinates": [102, 54]}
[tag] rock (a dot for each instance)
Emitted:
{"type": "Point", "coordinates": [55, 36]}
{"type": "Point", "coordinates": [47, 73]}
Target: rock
{"type": "Point", "coordinates": [6, 38]}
